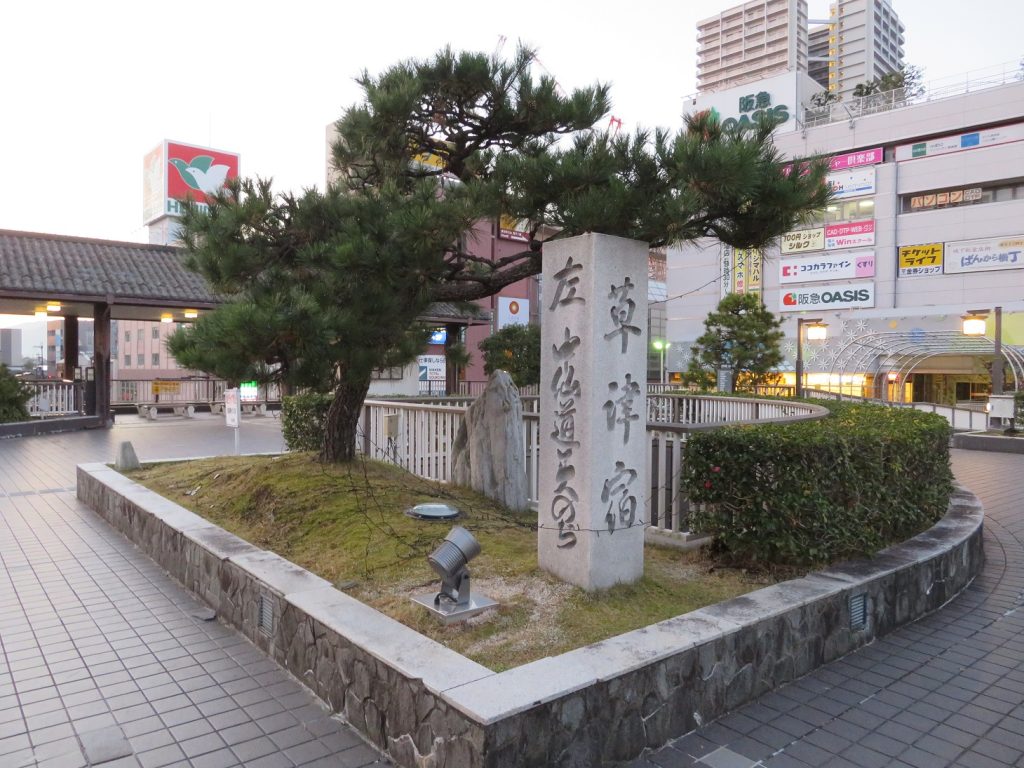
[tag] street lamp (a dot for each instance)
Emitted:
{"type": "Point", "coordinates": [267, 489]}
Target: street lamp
{"type": "Point", "coordinates": [974, 325]}
{"type": "Point", "coordinates": [816, 331]}
{"type": "Point", "coordinates": [662, 347]}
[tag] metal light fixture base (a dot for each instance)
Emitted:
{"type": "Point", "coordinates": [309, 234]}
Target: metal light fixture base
{"type": "Point", "coordinates": [450, 613]}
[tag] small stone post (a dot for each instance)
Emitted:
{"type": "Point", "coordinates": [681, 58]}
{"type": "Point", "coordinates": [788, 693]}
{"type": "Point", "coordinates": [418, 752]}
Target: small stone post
{"type": "Point", "coordinates": [593, 411]}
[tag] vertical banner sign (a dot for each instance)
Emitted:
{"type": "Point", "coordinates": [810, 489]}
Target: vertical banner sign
{"type": "Point", "coordinates": [593, 411]}
{"type": "Point", "coordinates": [755, 264]}
{"type": "Point", "coordinates": [726, 270]}
{"type": "Point", "coordinates": [231, 407]}
{"type": "Point", "coordinates": [739, 271]}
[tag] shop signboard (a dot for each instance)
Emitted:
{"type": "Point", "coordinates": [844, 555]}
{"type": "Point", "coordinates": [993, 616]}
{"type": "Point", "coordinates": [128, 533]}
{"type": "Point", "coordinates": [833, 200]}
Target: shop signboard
{"type": "Point", "coordinates": [432, 367]}
{"type": "Point", "coordinates": [855, 159]}
{"type": "Point", "coordinates": [826, 297]}
{"type": "Point", "coordinates": [725, 270]}
{"type": "Point", "coordinates": [960, 142]}
{"type": "Point", "coordinates": [920, 260]}
{"type": "Point", "coordinates": [852, 183]}
{"type": "Point", "coordinates": [803, 240]}
{"type": "Point", "coordinates": [852, 234]}
{"type": "Point", "coordinates": [984, 254]}
{"type": "Point", "coordinates": [827, 266]}
{"type": "Point", "coordinates": [174, 172]}
{"type": "Point", "coordinates": [755, 267]}
{"type": "Point", "coordinates": [513, 311]}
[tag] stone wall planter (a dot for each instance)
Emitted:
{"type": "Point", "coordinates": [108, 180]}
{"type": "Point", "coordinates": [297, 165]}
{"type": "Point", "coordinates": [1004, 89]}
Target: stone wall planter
{"type": "Point", "coordinates": [427, 706]}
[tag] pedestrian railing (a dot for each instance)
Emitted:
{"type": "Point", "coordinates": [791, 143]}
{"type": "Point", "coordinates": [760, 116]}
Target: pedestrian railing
{"type": "Point", "coordinates": [960, 418]}
{"type": "Point", "coordinates": [55, 398]}
{"type": "Point", "coordinates": [419, 436]}
{"type": "Point", "coordinates": [180, 391]}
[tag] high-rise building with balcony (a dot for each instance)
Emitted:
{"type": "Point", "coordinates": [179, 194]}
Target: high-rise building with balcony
{"type": "Point", "coordinates": [865, 41]}
{"type": "Point", "coordinates": [862, 40]}
{"type": "Point", "coordinates": [750, 42]}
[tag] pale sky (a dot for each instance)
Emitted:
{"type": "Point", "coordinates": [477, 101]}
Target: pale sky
{"type": "Point", "coordinates": [89, 87]}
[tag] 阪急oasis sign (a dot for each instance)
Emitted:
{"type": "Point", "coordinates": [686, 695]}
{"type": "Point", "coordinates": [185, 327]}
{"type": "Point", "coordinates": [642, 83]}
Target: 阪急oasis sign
{"type": "Point", "coordinates": [748, 105]}
{"type": "Point", "coordinates": [853, 296]}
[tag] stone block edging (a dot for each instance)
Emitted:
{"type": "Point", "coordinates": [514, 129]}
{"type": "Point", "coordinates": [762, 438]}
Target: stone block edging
{"type": "Point", "coordinates": [980, 441]}
{"type": "Point", "coordinates": [429, 706]}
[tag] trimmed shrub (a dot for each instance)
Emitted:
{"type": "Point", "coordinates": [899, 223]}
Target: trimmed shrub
{"type": "Point", "coordinates": [14, 397]}
{"type": "Point", "coordinates": [812, 492]}
{"type": "Point", "coordinates": [302, 420]}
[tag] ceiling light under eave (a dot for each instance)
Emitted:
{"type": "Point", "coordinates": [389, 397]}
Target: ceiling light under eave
{"type": "Point", "coordinates": [191, 314]}
{"type": "Point", "coordinates": [166, 317]}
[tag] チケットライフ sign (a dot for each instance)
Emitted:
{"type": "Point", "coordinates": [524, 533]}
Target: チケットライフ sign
{"type": "Point", "coordinates": [920, 260]}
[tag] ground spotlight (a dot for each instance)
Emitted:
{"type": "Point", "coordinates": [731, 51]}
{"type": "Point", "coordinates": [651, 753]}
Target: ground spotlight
{"type": "Point", "coordinates": [450, 561]}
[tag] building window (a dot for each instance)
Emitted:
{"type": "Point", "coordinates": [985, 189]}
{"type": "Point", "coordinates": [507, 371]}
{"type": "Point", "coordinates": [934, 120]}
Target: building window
{"type": "Point", "coordinates": [388, 374]}
{"type": "Point", "coordinates": [141, 359]}
{"type": "Point", "coordinates": [156, 331]}
{"type": "Point", "coordinates": [156, 359]}
{"type": "Point", "coordinates": [127, 335]}
{"type": "Point", "coordinates": [127, 361]}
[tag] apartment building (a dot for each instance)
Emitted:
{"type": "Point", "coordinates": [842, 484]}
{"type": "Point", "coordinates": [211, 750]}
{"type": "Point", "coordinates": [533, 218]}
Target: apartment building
{"type": "Point", "coordinates": [750, 42]}
{"type": "Point", "coordinates": [860, 41]}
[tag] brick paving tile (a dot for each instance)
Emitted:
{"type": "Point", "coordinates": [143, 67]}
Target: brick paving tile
{"type": "Point", "coordinates": [96, 639]}
{"type": "Point", "coordinates": [947, 690]}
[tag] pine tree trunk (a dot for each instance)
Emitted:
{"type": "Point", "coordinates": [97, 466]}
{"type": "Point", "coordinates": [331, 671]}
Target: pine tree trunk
{"type": "Point", "coordinates": [342, 422]}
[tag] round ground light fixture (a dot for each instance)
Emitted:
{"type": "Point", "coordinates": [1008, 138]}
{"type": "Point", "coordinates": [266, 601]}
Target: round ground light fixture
{"type": "Point", "coordinates": [433, 512]}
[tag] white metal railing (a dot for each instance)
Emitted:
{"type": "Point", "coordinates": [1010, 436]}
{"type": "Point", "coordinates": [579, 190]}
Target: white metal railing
{"type": "Point", "coordinates": [943, 88]}
{"type": "Point", "coordinates": [420, 437]}
{"type": "Point", "coordinates": [959, 417]}
{"type": "Point", "coordinates": [55, 398]}
{"type": "Point", "coordinates": [173, 391]}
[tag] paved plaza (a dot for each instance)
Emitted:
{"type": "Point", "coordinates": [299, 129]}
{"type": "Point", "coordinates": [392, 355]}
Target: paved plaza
{"type": "Point", "coordinates": [104, 660]}
{"type": "Point", "coordinates": [947, 690]}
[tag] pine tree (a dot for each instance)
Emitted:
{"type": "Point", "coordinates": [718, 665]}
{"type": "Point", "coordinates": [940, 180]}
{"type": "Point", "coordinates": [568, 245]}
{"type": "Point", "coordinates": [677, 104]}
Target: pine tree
{"type": "Point", "coordinates": [741, 334]}
{"type": "Point", "coordinates": [323, 288]}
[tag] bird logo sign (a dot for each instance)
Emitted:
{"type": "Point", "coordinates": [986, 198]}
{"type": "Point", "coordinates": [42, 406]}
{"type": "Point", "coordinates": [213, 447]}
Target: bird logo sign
{"type": "Point", "coordinates": [201, 173]}
{"type": "Point", "coordinates": [196, 172]}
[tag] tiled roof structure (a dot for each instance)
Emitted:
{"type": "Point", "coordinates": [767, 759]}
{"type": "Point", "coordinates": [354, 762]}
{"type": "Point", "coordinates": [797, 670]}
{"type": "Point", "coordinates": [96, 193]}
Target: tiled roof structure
{"type": "Point", "coordinates": [95, 270]}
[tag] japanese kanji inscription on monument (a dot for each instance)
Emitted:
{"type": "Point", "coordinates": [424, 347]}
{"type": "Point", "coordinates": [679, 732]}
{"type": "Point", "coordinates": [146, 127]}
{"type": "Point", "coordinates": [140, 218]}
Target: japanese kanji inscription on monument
{"type": "Point", "coordinates": [593, 410]}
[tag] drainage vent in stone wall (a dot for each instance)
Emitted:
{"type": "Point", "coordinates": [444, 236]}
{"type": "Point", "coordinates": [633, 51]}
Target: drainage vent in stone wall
{"type": "Point", "coordinates": [266, 617]}
{"type": "Point", "coordinates": [858, 611]}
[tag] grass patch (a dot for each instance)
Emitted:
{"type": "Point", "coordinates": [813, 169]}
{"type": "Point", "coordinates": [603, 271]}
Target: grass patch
{"type": "Point", "coordinates": [347, 524]}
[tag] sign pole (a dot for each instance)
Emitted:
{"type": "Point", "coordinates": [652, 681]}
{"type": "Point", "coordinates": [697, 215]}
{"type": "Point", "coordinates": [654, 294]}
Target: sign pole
{"type": "Point", "coordinates": [232, 412]}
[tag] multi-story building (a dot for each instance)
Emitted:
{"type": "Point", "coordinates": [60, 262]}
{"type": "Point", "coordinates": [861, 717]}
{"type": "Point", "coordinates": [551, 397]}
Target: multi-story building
{"type": "Point", "coordinates": [750, 42]}
{"type": "Point", "coordinates": [10, 347]}
{"type": "Point", "coordinates": [927, 226]}
{"type": "Point", "coordinates": [139, 351]}
{"type": "Point", "coordinates": [862, 40]}
{"type": "Point", "coordinates": [55, 341]}
{"type": "Point", "coordinates": [819, 59]}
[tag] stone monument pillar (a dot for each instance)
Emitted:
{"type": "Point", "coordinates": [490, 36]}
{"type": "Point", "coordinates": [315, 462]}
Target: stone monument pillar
{"type": "Point", "coordinates": [593, 411]}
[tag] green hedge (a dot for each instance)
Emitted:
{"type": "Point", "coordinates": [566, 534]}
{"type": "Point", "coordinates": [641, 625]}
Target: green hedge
{"type": "Point", "coordinates": [810, 492]}
{"type": "Point", "coordinates": [302, 420]}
